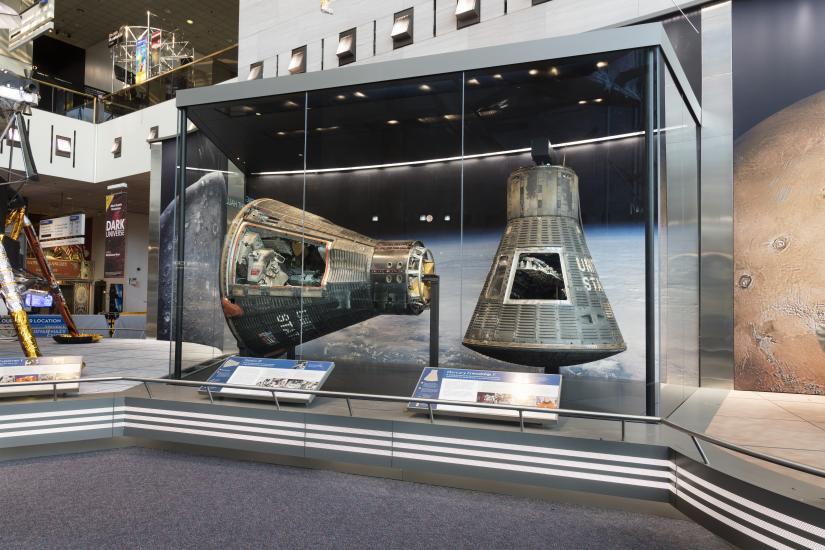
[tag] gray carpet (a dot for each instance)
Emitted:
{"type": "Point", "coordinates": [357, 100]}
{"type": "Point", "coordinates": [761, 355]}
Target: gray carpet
{"type": "Point", "coordinates": [143, 498]}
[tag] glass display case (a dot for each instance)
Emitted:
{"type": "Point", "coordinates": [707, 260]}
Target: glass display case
{"type": "Point", "coordinates": [555, 199]}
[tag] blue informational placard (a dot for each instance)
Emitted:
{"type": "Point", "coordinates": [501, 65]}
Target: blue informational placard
{"type": "Point", "coordinates": [492, 387]}
{"type": "Point", "coordinates": [42, 325]}
{"type": "Point", "coordinates": [270, 375]}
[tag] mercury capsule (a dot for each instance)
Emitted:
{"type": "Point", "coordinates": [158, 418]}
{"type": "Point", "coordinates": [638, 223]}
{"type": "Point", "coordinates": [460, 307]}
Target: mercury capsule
{"type": "Point", "coordinates": [543, 303]}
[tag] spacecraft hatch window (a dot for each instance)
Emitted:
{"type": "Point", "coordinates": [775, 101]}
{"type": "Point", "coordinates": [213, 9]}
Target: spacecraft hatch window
{"type": "Point", "coordinates": [499, 279]}
{"type": "Point", "coordinates": [538, 276]}
{"type": "Point", "coordinates": [267, 258]}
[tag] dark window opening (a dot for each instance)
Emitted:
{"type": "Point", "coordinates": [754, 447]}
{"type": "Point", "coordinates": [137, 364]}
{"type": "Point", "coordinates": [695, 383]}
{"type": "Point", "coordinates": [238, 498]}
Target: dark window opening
{"type": "Point", "coordinates": [538, 276]}
{"type": "Point", "coordinates": [256, 71]}
{"type": "Point", "coordinates": [346, 47]}
{"type": "Point", "coordinates": [402, 29]}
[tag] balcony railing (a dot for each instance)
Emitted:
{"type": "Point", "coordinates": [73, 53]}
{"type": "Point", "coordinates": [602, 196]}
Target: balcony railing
{"type": "Point", "coordinates": [65, 101]}
{"type": "Point", "coordinates": [212, 69]}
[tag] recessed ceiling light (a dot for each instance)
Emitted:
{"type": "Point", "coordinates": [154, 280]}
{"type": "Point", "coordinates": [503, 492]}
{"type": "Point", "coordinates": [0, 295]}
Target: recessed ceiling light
{"type": "Point", "coordinates": [473, 82]}
{"type": "Point", "coordinates": [601, 64]}
{"type": "Point", "coordinates": [190, 21]}
{"type": "Point", "coordinates": [554, 71]}
{"type": "Point", "coordinates": [425, 88]}
{"type": "Point", "coordinates": [498, 76]}
{"type": "Point", "coordinates": [533, 72]}
{"type": "Point", "coordinates": [291, 104]}
{"type": "Point", "coordinates": [258, 114]}
{"type": "Point", "coordinates": [340, 97]}
{"type": "Point", "coordinates": [392, 122]}
{"type": "Point", "coordinates": [598, 100]}
{"type": "Point", "coordinates": [452, 117]}
{"type": "Point", "coordinates": [360, 95]}
{"type": "Point", "coordinates": [282, 133]}
{"type": "Point", "coordinates": [582, 102]}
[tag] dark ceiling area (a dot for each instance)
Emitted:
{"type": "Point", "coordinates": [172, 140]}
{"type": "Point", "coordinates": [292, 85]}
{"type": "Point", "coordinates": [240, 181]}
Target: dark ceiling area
{"type": "Point", "coordinates": [419, 119]}
{"type": "Point", "coordinates": [53, 196]}
{"type": "Point", "coordinates": [84, 23]}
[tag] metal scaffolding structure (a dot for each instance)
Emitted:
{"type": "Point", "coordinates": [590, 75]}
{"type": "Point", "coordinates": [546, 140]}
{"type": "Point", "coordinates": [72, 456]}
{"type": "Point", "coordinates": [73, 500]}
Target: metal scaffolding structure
{"type": "Point", "coordinates": [140, 53]}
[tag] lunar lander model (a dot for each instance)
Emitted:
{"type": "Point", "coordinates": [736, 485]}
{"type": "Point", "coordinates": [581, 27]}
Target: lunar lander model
{"type": "Point", "coordinates": [17, 95]}
{"type": "Point", "coordinates": [543, 303]}
{"type": "Point", "coordinates": [288, 276]}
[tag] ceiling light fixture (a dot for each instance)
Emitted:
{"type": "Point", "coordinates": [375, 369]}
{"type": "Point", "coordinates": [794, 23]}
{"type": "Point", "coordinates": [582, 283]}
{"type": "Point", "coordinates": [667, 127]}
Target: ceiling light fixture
{"type": "Point", "coordinates": [425, 88]}
{"type": "Point", "coordinates": [190, 21]}
{"type": "Point", "coordinates": [598, 100]}
{"type": "Point", "coordinates": [340, 97]}
{"type": "Point", "coordinates": [601, 64]}
{"type": "Point", "coordinates": [582, 102]}
{"type": "Point", "coordinates": [533, 72]}
{"type": "Point", "coordinates": [498, 76]}
{"type": "Point", "coordinates": [473, 82]}
{"type": "Point", "coordinates": [554, 71]}
{"type": "Point", "coordinates": [360, 95]}
{"type": "Point", "coordinates": [392, 122]}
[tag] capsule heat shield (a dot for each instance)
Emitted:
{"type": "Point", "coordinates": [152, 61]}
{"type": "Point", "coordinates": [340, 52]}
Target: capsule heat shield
{"type": "Point", "coordinates": [543, 303]}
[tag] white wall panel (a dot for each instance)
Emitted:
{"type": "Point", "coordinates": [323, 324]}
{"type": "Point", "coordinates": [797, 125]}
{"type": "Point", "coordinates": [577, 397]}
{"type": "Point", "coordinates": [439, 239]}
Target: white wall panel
{"type": "Point", "coordinates": [268, 26]}
{"type": "Point", "coordinates": [40, 126]}
{"type": "Point", "coordinates": [133, 129]}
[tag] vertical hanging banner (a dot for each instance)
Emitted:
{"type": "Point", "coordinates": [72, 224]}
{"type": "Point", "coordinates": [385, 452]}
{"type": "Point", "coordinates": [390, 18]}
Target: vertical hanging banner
{"type": "Point", "coordinates": [114, 266]}
{"type": "Point", "coordinates": [141, 54]}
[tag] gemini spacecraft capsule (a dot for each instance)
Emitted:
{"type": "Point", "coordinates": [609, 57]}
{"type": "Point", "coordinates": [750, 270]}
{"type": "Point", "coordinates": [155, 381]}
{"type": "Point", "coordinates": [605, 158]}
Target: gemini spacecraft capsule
{"type": "Point", "coordinates": [543, 303]}
{"type": "Point", "coordinates": [289, 276]}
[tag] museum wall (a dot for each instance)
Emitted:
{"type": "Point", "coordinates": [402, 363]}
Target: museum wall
{"type": "Point", "coordinates": [779, 200]}
{"type": "Point", "coordinates": [269, 30]}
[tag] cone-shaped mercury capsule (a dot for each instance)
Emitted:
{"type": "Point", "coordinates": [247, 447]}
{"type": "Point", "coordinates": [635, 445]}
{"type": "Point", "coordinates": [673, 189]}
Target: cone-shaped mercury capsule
{"type": "Point", "coordinates": [289, 276]}
{"type": "Point", "coordinates": [543, 303]}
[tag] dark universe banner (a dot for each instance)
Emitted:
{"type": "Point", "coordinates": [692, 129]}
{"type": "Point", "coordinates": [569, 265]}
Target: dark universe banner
{"type": "Point", "coordinates": [115, 262]}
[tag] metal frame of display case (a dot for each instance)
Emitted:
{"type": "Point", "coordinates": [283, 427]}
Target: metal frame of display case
{"type": "Point", "coordinates": [650, 37]}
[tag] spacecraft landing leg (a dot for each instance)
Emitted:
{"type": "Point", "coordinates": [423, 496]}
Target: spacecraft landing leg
{"type": "Point", "coordinates": [73, 336]}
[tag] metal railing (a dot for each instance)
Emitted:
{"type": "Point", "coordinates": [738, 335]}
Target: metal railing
{"type": "Point", "coordinates": [211, 69]}
{"type": "Point", "coordinates": [67, 102]}
{"type": "Point", "coordinates": [623, 419]}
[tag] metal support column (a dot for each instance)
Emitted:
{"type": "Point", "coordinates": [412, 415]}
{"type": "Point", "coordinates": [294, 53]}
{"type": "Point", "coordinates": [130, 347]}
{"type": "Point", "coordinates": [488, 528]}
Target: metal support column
{"type": "Point", "coordinates": [650, 234]}
{"type": "Point", "coordinates": [180, 241]}
{"type": "Point", "coordinates": [433, 282]}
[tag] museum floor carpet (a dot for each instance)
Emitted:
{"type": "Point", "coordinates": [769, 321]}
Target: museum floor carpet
{"type": "Point", "coordinates": [146, 498]}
